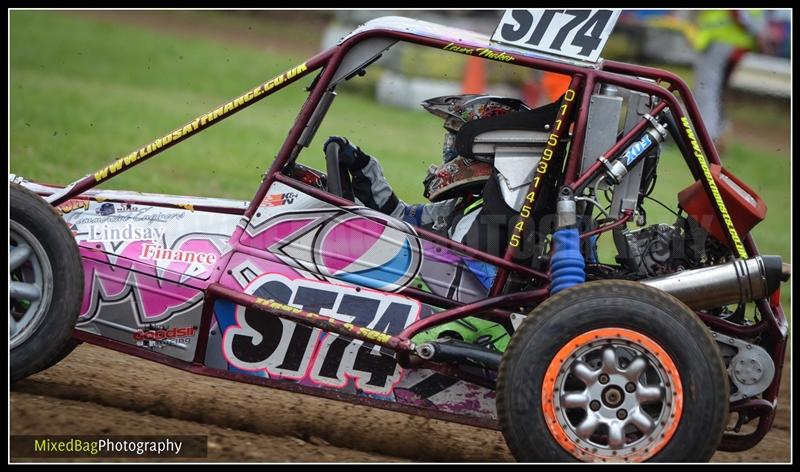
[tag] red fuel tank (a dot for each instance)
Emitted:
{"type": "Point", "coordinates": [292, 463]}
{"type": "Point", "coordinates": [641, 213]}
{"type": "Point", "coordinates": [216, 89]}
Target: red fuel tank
{"type": "Point", "coordinates": [745, 207]}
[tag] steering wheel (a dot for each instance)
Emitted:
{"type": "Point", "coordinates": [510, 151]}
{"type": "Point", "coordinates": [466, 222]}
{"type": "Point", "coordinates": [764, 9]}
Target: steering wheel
{"type": "Point", "coordinates": [339, 182]}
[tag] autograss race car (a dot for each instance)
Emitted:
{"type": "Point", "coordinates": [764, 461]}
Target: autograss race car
{"type": "Point", "coordinates": [651, 357]}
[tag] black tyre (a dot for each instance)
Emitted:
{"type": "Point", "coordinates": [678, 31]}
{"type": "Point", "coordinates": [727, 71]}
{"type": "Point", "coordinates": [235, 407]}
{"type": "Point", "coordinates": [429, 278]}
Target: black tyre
{"type": "Point", "coordinates": [46, 284]}
{"type": "Point", "coordinates": [612, 371]}
{"type": "Point", "coordinates": [64, 352]}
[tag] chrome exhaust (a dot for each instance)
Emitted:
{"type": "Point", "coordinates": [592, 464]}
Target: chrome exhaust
{"type": "Point", "coordinates": [740, 281]}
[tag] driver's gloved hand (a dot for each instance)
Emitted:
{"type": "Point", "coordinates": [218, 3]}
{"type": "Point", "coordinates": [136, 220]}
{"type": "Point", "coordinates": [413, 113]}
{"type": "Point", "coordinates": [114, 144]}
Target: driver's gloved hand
{"type": "Point", "coordinates": [350, 155]}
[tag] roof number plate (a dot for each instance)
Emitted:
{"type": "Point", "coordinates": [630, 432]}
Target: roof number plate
{"type": "Point", "coordinates": [578, 34]}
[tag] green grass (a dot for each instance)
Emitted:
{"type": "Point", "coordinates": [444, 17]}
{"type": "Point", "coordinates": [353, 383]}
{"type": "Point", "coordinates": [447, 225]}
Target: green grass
{"type": "Point", "coordinates": [84, 92]}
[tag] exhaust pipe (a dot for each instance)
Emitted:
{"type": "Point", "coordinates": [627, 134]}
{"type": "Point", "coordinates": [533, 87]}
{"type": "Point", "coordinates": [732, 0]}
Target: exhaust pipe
{"type": "Point", "coordinates": [740, 281]}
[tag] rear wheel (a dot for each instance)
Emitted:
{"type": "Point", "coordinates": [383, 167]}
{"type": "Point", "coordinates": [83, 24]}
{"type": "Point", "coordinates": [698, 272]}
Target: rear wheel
{"type": "Point", "coordinates": [45, 284]}
{"type": "Point", "coordinates": [612, 371]}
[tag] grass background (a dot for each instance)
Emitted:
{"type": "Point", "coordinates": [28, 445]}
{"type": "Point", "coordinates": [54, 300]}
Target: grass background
{"type": "Point", "coordinates": [84, 92]}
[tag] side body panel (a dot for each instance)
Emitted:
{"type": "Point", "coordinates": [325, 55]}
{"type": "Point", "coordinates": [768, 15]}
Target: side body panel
{"type": "Point", "coordinates": [343, 262]}
{"type": "Point", "coordinates": [347, 263]}
{"type": "Point", "coordinates": [255, 343]}
{"type": "Point", "coordinates": [145, 268]}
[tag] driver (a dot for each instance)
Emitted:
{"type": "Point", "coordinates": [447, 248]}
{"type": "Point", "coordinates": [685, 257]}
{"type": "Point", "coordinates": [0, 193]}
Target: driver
{"type": "Point", "coordinates": [466, 201]}
{"type": "Point", "coordinates": [455, 188]}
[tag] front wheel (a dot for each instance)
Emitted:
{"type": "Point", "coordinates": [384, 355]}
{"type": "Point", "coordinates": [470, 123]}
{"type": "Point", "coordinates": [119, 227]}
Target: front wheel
{"type": "Point", "coordinates": [45, 284]}
{"type": "Point", "coordinates": [612, 371]}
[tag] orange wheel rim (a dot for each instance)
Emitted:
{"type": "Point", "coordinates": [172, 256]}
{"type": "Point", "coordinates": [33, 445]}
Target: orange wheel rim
{"type": "Point", "coordinates": [612, 394]}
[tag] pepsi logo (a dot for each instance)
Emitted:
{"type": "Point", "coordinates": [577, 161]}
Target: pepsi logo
{"type": "Point", "coordinates": [360, 246]}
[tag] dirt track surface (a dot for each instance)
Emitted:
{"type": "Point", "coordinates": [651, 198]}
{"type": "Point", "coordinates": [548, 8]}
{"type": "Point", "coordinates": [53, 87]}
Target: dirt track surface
{"type": "Point", "coordinates": [98, 391]}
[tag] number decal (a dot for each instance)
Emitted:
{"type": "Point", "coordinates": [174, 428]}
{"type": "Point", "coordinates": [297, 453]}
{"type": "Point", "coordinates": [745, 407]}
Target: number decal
{"type": "Point", "coordinates": [334, 349]}
{"type": "Point", "coordinates": [542, 167]}
{"type": "Point", "coordinates": [590, 42]}
{"type": "Point", "coordinates": [524, 21]}
{"type": "Point", "coordinates": [544, 23]}
{"type": "Point", "coordinates": [283, 349]}
{"type": "Point", "coordinates": [541, 172]}
{"type": "Point", "coordinates": [577, 34]}
{"type": "Point", "coordinates": [578, 17]}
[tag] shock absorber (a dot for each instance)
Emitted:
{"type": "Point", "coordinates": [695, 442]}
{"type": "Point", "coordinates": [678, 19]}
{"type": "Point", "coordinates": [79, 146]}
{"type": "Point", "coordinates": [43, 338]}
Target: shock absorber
{"type": "Point", "coordinates": [636, 151]}
{"type": "Point", "coordinates": [567, 267]}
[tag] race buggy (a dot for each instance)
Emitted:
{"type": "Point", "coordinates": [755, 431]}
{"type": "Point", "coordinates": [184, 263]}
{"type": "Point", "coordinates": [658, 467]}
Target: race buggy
{"type": "Point", "coordinates": [669, 352]}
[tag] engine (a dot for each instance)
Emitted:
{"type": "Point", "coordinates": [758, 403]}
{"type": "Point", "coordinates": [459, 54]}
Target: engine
{"type": "Point", "coordinates": [662, 249]}
{"type": "Point", "coordinates": [654, 250]}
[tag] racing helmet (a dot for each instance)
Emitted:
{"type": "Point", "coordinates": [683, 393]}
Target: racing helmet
{"type": "Point", "coordinates": [458, 175]}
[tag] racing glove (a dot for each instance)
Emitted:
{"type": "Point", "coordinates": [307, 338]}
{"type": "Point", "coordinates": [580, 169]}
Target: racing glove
{"type": "Point", "coordinates": [350, 155]}
{"type": "Point", "coordinates": [372, 189]}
